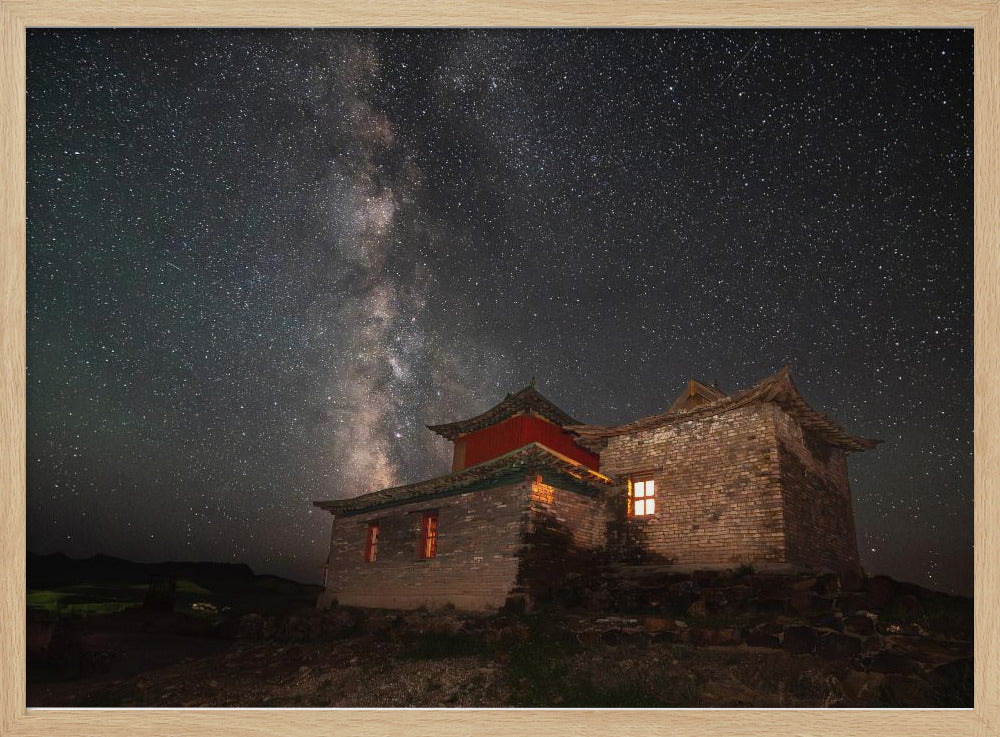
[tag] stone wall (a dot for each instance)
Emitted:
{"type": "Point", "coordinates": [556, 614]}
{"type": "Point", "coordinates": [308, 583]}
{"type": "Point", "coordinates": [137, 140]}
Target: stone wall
{"type": "Point", "coordinates": [819, 517]}
{"type": "Point", "coordinates": [718, 499]}
{"type": "Point", "coordinates": [585, 517]}
{"type": "Point", "coordinates": [479, 538]}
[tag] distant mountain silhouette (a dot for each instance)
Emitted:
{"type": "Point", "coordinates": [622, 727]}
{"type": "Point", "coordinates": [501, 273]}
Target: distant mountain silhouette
{"type": "Point", "coordinates": [57, 570]}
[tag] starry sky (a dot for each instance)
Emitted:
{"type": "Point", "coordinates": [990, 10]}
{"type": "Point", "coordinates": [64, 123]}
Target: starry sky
{"type": "Point", "coordinates": [260, 261]}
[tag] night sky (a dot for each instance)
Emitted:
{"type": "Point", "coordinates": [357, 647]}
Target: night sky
{"type": "Point", "coordinates": [259, 262]}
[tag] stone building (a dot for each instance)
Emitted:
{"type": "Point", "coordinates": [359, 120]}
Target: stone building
{"type": "Point", "coordinates": [716, 481]}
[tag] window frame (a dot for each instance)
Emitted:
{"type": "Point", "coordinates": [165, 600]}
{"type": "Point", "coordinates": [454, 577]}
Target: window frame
{"type": "Point", "coordinates": [371, 541]}
{"type": "Point", "coordinates": [647, 499]}
{"type": "Point", "coordinates": [428, 535]}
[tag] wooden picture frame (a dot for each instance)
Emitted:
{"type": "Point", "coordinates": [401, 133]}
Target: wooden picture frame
{"type": "Point", "coordinates": [981, 15]}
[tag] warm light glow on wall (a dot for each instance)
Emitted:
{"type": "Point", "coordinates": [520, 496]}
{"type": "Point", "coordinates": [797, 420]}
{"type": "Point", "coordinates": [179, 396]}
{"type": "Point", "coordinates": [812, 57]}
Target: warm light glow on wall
{"type": "Point", "coordinates": [542, 493]}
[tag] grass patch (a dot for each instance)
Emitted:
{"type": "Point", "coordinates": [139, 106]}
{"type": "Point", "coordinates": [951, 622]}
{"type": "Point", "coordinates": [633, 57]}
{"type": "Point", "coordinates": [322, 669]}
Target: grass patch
{"type": "Point", "coordinates": [81, 600]}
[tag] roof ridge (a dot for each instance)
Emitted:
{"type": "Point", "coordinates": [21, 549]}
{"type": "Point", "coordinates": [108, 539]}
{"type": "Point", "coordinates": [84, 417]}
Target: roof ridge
{"type": "Point", "coordinates": [525, 399]}
{"type": "Point", "coordinates": [527, 454]}
{"type": "Point", "coordinates": [777, 387]}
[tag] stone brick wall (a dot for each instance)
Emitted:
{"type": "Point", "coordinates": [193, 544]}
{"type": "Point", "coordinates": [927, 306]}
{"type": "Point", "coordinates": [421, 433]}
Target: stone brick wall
{"type": "Point", "coordinates": [479, 536]}
{"type": "Point", "coordinates": [586, 518]}
{"type": "Point", "coordinates": [819, 517]}
{"type": "Point", "coordinates": [718, 499]}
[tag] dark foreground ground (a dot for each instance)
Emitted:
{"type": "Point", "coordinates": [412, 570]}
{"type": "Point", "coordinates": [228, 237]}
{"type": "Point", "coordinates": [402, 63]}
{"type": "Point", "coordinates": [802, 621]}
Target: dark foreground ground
{"type": "Point", "coordinates": [915, 652]}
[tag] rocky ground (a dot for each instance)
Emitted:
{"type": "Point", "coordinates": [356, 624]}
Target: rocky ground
{"type": "Point", "coordinates": [705, 640]}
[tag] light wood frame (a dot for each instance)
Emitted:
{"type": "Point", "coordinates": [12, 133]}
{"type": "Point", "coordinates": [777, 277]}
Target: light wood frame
{"type": "Point", "coordinates": [17, 15]}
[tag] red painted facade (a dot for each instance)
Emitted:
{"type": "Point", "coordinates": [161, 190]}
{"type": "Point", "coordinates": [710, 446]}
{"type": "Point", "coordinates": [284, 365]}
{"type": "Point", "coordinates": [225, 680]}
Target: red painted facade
{"type": "Point", "coordinates": [503, 437]}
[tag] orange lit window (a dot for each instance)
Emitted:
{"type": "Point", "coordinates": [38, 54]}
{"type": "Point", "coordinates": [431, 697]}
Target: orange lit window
{"type": "Point", "coordinates": [428, 535]}
{"type": "Point", "coordinates": [643, 498]}
{"type": "Point", "coordinates": [371, 542]}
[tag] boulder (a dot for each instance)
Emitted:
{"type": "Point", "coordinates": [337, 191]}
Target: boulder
{"type": "Point", "coordinates": [863, 689]}
{"type": "Point", "coordinates": [760, 638]}
{"type": "Point", "coordinates": [890, 662]}
{"type": "Point", "coordinates": [805, 584]}
{"type": "Point", "coordinates": [859, 624]}
{"type": "Point", "coordinates": [835, 646]}
{"type": "Point", "coordinates": [713, 636]}
{"type": "Point", "coordinates": [952, 683]}
{"type": "Point", "coordinates": [666, 638]}
{"type": "Point", "coordinates": [882, 590]}
{"type": "Point", "coordinates": [771, 605]}
{"type": "Point", "coordinates": [799, 639]}
{"type": "Point", "coordinates": [827, 584]}
{"type": "Point", "coordinates": [907, 691]}
{"type": "Point", "coordinates": [909, 604]}
{"type": "Point", "coordinates": [852, 579]}
{"type": "Point", "coordinates": [516, 604]}
{"type": "Point", "coordinates": [829, 620]}
{"type": "Point", "coordinates": [251, 627]}
{"type": "Point", "coordinates": [697, 609]}
{"type": "Point", "coordinates": [655, 625]}
{"type": "Point", "coordinates": [802, 601]}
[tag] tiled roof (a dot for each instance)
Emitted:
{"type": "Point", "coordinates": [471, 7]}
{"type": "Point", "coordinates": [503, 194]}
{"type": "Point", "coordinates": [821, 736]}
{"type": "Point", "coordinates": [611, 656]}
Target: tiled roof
{"type": "Point", "coordinates": [777, 388]}
{"type": "Point", "coordinates": [530, 458]}
{"type": "Point", "coordinates": [527, 399]}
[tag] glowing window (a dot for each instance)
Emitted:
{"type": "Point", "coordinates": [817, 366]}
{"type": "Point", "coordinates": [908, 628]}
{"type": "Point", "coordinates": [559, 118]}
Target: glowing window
{"type": "Point", "coordinates": [371, 542]}
{"type": "Point", "coordinates": [428, 535]}
{"type": "Point", "coordinates": [643, 498]}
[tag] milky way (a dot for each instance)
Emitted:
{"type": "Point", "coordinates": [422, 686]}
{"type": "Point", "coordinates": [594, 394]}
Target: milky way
{"type": "Point", "coordinates": [259, 262]}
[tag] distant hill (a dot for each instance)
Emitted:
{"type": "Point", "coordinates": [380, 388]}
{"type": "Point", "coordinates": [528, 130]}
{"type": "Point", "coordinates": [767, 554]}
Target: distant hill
{"type": "Point", "coordinates": [226, 584]}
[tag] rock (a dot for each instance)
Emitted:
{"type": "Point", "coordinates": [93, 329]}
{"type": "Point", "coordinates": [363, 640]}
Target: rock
{"type": "Point", "coordinates": [705, 578]}
{"type": "Point", "coordinates": [514, 605]}
{"type": "Point", "coordinates": [909, 604]}
{"type": "Point", "coordinates": [666, 638]}
{"type": "Point", "coordinates": [655, 625]}
{"type": "Point", "coordinates": [701, 636]}
{"type": "Point", "coordinates": [835, 646]}
{"type": "Point", "coordinates": [859, 624]}
{"type": "Point", "coordinates": [823, 689]}
{"type": "Point", "coordinates": [38, 637]}
{"type": "Point", "coordinates": [805, 584]}
{"type": "Point", "coordinates": [730, 636]}
{"type": "Point", "coordinates": [953, 683]}
{"type": "Point", "coordinates": [715, 599]}
{"type": "Point", "coordinates": [251, 627]}
{"type": "Point", "coordinates": [829, 620]}
{"type": "Point", "coordinates": [771, 605]}
{"type": "Point", "coordinates": [767, 583]}
{"type": "Point", "coordinates": [759, 638]}
{"type": "Point", "coordinates": [852, 579]}
{"type": "Point", "coordinates": [713, 636]}
{"type": "Point", "coordinates": [890, 662]}
{"type": "Point", "coordinates": [802, 601]}
{"type": "Point", "coordinates": [873, 643]}
{"type": "Point", "coordinates": [827, 584]}
{"type": "Point", "coordinates": [863, 688]}
{"type": "Point", "coordinates": [912, 630]}
{"type": "Point", "coordinates": [882, 590]}
{"type": "Point", "coordinates": [683, 588]}
{"type": "Point", "coordinates": [697, 609]}
{"type": "Point", "coordinates": [907, 691]}
{"type": "Point", "coordinates": [799, 639]}
{"type": "Point", "coordinates": [612, 637]}
{"type": "Point", "coordinates": [737, 596]}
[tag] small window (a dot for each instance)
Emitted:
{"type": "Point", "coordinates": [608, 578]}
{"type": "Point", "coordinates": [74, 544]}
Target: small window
{"type": "Point", "coordinates": [643, 498]}
{"type": "Point", "coordinates": [371, 543]}
{"type": "Point", "coordinates": [428, 535]}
